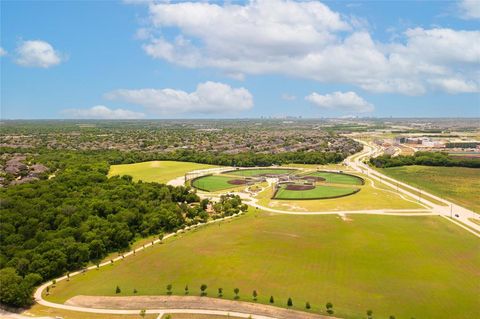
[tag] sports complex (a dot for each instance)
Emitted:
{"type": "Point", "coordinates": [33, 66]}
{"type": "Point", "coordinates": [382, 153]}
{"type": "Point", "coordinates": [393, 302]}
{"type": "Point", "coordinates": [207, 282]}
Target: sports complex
{"type": "Point", "coordinates": [314, 234]}
{"type": "Point", "coordinates": [290, 184]}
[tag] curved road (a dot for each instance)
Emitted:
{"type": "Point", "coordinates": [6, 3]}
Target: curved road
{"type": "Point", "coordinates": [448, 211]}
{"type": "Point", "coordinates": [355, 162]}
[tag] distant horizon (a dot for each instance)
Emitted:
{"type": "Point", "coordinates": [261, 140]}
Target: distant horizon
{"type": "Point", "coordinates": [243, 118]}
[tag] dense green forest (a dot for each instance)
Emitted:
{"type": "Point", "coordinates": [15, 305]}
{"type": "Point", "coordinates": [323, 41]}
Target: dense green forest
{"type": "Point", "coordinates": [247, 159]}
{"type": "Point", "coordinates": [53, 226]}
{"type": "Point", "coordinates": [425, 158]}
{"type": "Point", "coordinates": [243, 159]}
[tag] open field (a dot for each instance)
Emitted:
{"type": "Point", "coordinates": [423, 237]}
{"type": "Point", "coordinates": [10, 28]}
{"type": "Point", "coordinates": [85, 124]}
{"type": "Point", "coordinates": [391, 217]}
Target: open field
{"type": "Point", "coordinates": [423, 267]}
{"type": "Point", "coordinates": [460, 185]}
{"type": "Point", "coordinates": [368, 197]}
{"type": "Point", "coordinates": [338, 178]}
{"type": "Point", "coordinates": [257, 172]}
{"type": "Point", "coordinates": [156, 171]}
{"type": "Point", "coordinates": [319, 191]}
{"type": "Point", "coordinates": [213, 183]}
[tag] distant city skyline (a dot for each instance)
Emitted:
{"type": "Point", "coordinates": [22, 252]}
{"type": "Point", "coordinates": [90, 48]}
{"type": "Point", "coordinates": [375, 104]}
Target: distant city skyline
{"type": "Point", "coordinates": [239, 59]}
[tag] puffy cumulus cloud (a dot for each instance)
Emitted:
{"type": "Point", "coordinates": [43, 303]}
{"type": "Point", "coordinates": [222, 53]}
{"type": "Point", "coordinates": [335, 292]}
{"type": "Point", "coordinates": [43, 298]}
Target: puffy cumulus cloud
{"type": "Point", "coordinates": [209, 97]}
{"type": "Point", "coordinates": [341, 101]}
{"type": "Point", "coordinates": [308, 40]}
{"type": "Point", "coordinates": [469, 9]}
{"type": "Point", "coordinates": [37, 53]}
{"type": "Point", "coordinates": [2, 51]}
{"type": "Point", "coordinates": [104, 113]}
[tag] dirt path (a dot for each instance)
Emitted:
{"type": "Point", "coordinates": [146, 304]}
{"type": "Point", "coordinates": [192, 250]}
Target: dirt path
{"type": "Point", "coordinates": [188, 302]}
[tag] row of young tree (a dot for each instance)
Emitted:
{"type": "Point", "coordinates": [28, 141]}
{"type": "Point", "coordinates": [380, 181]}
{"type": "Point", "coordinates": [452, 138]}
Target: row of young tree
{"type": "Point", "coordinates": [425, 158]}
{"type": "Point", "coordinates": [220, 292]}
{"type": "Point", "coordinates": [53, 226]}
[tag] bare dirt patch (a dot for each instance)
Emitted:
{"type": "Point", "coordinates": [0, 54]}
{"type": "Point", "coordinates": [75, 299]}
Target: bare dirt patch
{"type": "Point", "coordinates": [237, 181]}
{"type": "Point", "coordinates": [313, 178]}
{"type": "Point", "coordinates": [297, 187]}
{"type": "Point", "coordinates": [188, 302]}
{"type": "Point", "coordinates": [345, 218]}
{"type": "Point", "coordinates": [155, 164]}
{"type": "Point", "coordinates": [282, 234]}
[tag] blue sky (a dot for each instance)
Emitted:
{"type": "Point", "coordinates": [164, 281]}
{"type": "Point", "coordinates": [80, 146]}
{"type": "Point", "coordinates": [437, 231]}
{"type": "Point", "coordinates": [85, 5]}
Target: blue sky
{"type": "Point", "coordinates": [109, 59]}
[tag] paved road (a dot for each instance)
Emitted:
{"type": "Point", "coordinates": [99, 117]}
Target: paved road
{"type": "Point", "coordinates": [449, 211]}
{"type": "Point", "coordinates": [355, 162]}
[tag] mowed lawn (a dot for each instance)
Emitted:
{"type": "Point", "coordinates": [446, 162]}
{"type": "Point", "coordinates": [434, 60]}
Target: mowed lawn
{"type": "Point", "coordinates": [156, 171]}
{"type": "Point", "coordinates": [255, 172]}
{"type": "Point", "coordinates": [422, 267]}
{"type": "Point", "coordinates": [460, 185]}
{"type": "Point", "coordinates": [368, 197]}
{"type": "Point", "coordinates": [318, 192]}
{"type": "Point", "coordinates": [338, 178]}
{"type": "Point", "coordinates": [213, 183]}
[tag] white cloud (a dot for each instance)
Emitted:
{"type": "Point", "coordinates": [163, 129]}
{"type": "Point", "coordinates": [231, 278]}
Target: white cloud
{"type": "Point", "coordinates": [209, 97]}
{"type": "Point", "coordinates": [288, 97]}
{"type": "Point", "coordinates": [236, 76]}
{"type": "Point", "coordinates": [309, 40]}
{"type": "Point", "coordinates": [2, 52]}
{"type": "Point", "coordinates": [37, 53]}
{"type": "Point", "coordinates": [453, 86]}
{"type": "Point", "coordinates": [104, 113]}
{"type": "Point", "coordinates": [346, 102]}
{"type": "Point", "coordinates": [469, 9]}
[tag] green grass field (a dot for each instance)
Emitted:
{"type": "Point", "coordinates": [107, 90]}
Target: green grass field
{"type": "Point", "coordinates": [319, 191]}
{"type": "Point", "coordinates": [213, 183]}
{"type": "Point", "coordinates": [337, 178]}
{"type": "Point", "coordinates": [422, 267]}
{"type": "Point", "coordinates": [368, 197]}
{"type": "Point", "coordinates": [255, 172]}
{"type": "Point", "coordinates": [460, 185]}
{"type": "Point", "coordinates": [156, 171]}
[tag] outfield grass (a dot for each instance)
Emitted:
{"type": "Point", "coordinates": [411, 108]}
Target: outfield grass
{"type": "Point", "coordinates": [338, 167]}
{"type": "Point", "coordinates": [367, 198]}
{"type": "Point", "coordinates": [156, 171]}
{"type": "Point", "coordinates": [213, 183]}
{"type": "Point", "coordinates": [255, 172]}
{"type": "Point", "coordinates": [422, 267]}
{"type": "Point", "coordinates": [338, 178]}
{"type": "Point", "coordinates": [319, 191]}
{"type": "Point", "coordinates": [460, 185]}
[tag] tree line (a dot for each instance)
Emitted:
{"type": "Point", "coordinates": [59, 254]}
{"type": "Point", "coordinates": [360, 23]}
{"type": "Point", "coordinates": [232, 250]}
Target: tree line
{"type": "Point", "coordinates": [247, 159]}
{"type": "Point", "coordinates": [53, 226]}
{"type": "Point", "coordinates": [424, 158]}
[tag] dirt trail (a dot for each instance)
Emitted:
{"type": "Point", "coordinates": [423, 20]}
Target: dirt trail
{"type": "Point", "coordinates": [188, 302]}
